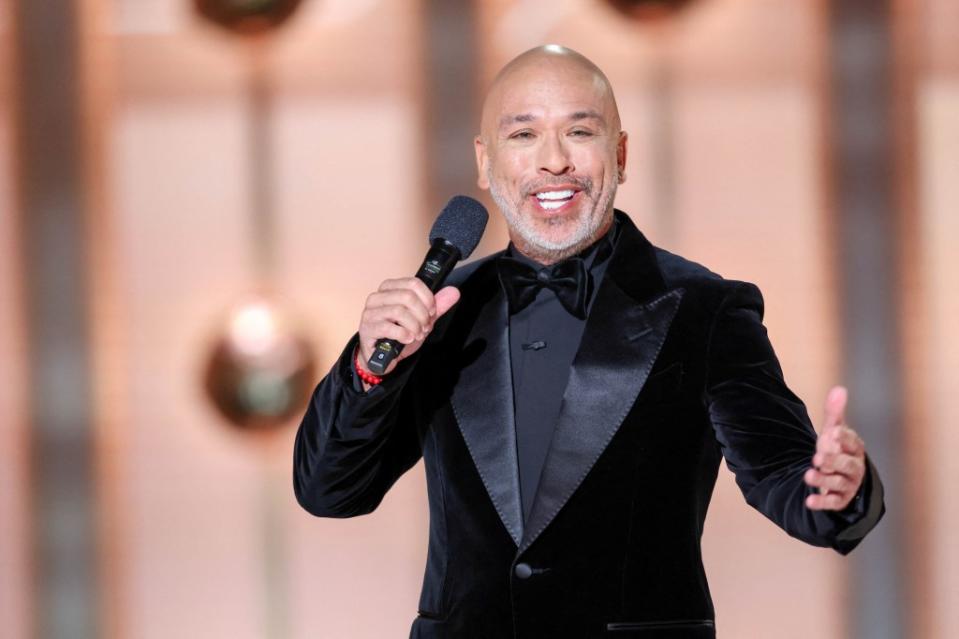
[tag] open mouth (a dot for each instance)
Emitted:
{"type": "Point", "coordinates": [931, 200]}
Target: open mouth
{"type": "Point", "coordinates": [554, 200]}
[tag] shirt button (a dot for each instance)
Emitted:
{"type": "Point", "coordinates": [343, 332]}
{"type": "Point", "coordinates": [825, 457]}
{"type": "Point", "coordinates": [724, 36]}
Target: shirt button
{"type": "Point", "coordinates": [523, 571]}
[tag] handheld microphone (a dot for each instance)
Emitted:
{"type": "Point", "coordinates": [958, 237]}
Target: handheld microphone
{"type": "Point", "coordinates": [454, 236]}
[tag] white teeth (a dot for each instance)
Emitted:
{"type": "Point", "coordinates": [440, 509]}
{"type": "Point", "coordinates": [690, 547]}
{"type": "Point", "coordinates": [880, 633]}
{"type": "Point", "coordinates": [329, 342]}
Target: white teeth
{"type": "Point", "coordinates": [549, 206]}
{"type": "Point", "coordinates": [555, 195]}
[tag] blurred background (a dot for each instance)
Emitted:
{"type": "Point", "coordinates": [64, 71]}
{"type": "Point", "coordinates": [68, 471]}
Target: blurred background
{"type": "Point", "coordinates": [196, 197]}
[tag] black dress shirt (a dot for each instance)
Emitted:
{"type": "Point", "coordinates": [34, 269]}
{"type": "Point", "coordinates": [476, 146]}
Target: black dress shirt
{"type": "Point", "coordinates": [543, 339]}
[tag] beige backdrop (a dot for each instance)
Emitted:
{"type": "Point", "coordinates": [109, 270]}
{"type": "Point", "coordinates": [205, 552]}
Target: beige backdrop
{"type": "Point", "coordinates": [201, 534]}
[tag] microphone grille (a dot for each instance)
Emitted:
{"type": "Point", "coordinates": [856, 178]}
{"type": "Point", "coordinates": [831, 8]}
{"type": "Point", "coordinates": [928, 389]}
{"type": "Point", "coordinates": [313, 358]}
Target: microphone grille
{"type": "Point", "coordinates": [461, 223]}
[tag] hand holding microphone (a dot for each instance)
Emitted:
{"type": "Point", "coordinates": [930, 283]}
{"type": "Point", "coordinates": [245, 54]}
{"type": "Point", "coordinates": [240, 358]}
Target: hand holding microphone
{"type": "Point", "coordinates": [400, 314]}
{"type": "Point", "coordinates": [403, 310]}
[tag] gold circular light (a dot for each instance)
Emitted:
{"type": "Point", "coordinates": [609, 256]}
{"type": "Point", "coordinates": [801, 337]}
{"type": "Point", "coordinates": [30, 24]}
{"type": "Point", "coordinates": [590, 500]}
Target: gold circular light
{"type": "Point", "coordinates": [247, 17]}
{"type": "Point", "coordinates": [261, 369]}
{"type": "Point", "coordinates": [649, 10]}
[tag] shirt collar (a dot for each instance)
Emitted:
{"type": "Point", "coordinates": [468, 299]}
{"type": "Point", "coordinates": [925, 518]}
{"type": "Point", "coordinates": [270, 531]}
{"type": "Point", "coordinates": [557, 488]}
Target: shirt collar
{"type": "Point", "coordinates": [596, 256]}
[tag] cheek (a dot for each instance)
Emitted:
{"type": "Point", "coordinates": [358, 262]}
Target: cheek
{"type": "Point", "coordinates": [594, 165]}
{"type": "Point", "coordinates": [511, 172]}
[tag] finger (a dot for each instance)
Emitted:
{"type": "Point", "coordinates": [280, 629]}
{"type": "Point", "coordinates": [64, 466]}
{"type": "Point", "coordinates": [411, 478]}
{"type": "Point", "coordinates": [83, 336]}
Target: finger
{"type": "Point", "coordinates": [844, 463]}
{"type": "Point", "coordinates": [829, 483]}
{"type": "Point", "coordinates": [410, 319]}
{"type": "Point", "coordinates": [835, 407]}
{"type": "Point", "coordinates": [372, 332]}
{"type": "Point", "coordinates": [840, 439]}
{"type": "Point", "coordinates": [827, 443]}
{"type": "Point", "coordinates": [400, 297]}
{"type": "Point", "coordinates": [418, 288]}
{"type": "Point", "coordinates": [445, 299]}
{"type": "Point", "coordinates": [384, 330]}
{"type": "Point", "coordinates": [404, 302]}
{"type": "Point", "coordinates": [832, 501]}
{"type": "Point", "coordinates": [849, 440]}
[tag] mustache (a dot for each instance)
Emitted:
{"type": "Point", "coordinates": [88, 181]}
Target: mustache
{"type": "Point", "coordinates": [582, 183]}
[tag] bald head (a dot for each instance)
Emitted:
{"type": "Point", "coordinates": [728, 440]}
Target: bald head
{"type": "Point", "coordinates": [551, 151]}
{"type": "Point", "coordinates": [548, 66]}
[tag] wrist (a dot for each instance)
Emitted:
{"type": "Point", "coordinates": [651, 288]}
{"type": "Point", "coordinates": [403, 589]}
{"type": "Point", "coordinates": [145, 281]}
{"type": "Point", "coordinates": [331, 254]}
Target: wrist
{"type": "Point", "coordinates": [369, 379]}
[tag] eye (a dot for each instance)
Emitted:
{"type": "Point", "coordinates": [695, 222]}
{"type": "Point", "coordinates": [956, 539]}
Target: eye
{"type": "Point", "coordinates": [525, 134]}
{"type": "Point", "coordinates": [581, 133]}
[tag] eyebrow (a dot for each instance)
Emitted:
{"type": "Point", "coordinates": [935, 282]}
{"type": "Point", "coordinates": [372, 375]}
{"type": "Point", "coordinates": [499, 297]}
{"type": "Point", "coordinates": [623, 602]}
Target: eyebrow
{"type": "Point", "coordinates": [507, 120]}
{"type": "Point", "coordinates": [589, 114]}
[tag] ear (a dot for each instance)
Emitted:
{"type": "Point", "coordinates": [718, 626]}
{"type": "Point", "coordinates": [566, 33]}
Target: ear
{"type": "Point", "coordinates": [621, 155]}
{"type": "Point", "coordinates": [482, 162]}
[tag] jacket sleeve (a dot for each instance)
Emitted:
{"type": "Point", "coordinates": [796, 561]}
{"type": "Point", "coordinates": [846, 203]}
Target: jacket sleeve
{"type": "Point", "coordinates": [351, 445]}
{"type": "Point", "coordinates": [765, 432]}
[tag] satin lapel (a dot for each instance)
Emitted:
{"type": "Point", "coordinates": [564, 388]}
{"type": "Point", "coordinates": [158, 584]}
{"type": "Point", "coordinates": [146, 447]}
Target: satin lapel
{"type": "Point", "coordinates": [622, 339]}
{"type": "Point", "coordinates": [482, 402]}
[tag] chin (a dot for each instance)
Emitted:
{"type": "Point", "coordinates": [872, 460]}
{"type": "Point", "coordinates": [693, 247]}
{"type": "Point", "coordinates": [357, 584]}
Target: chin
{"type": "Point", "coordinates": [567, 243]}
{"type": "Point", "coordinates": [565, 232]}
{"type": "Point", "coordinates": [558, 243]}
{"type": "Point", "coordinates": [557, 227]}
{"type": "Point", "coordinates": [555, 236]}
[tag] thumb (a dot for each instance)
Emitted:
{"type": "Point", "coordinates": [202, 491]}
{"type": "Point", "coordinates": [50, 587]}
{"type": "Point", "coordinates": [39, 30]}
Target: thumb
{"type": "Point", "coordinates": [445, 298]}
{"type": "Point", "coordinates": [836, 406]}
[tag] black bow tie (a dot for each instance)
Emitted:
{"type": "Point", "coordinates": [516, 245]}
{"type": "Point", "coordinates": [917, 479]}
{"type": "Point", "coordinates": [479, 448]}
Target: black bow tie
{"type": "Point", "coordinates": [569, 279]}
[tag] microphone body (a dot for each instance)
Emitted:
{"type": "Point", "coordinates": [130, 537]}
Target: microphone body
{"type": "Point", "coordinates": [454, 235]}
{"type": "Point", "coordinates": [439, 262]}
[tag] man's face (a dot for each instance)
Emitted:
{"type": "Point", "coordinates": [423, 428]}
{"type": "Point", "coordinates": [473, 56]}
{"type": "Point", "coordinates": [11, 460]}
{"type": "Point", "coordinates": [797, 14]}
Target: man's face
{"type": "Point", "coordinates": [552, 155]}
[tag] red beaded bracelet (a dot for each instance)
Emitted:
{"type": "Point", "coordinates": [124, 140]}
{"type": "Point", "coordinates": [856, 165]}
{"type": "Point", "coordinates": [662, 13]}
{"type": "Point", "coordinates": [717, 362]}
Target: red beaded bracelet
{"type": "Point", "coordinates": [365, 375]}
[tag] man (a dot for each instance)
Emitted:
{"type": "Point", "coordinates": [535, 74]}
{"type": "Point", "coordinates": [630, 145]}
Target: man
{"type": "Point", "coordinates": [572, 397]}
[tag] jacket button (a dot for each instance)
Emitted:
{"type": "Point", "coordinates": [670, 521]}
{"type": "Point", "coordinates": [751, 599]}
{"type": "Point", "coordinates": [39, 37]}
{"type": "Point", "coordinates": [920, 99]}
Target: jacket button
{"type": "Point", "coordinates": [523, 571]}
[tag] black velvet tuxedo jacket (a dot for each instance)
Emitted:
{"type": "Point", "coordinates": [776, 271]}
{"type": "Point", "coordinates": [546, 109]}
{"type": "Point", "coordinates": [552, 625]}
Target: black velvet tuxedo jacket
{"type": "Point", "coordinates": [674, 372]}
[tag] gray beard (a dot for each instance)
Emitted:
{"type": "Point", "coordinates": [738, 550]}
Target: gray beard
{"type": "Point", "coordinates": [547, 250]}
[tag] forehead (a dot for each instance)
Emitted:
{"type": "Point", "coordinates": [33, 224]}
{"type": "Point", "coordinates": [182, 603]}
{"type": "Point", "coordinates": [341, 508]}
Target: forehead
{"type": "Point", "coordinates": [547, 89]}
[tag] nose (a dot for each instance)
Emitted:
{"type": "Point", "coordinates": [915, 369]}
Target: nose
{"type": "Point", "coordinates": [554, 157]}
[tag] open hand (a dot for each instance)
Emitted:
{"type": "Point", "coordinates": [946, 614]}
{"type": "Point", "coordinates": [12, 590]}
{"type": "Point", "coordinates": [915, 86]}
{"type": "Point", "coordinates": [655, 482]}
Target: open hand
{"type": "Point", "coordinates": [839, 464]}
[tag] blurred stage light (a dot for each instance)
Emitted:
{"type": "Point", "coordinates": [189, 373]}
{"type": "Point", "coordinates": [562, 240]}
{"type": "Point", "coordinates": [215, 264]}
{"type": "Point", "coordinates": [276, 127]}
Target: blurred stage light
{"type": "Point", "coordinates": [247, 17]}
{"type": "Point", "coordinates": [649, 10]}
{"type": "Point", "coordinates": [260, 371]}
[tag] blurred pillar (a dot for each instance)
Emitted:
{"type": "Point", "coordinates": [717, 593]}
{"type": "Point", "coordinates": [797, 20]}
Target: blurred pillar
{"type": "Point", "coordinates": [863, 146]}
{"type": "Point", "coordinates": [663, 133]}
{"type": "Point", "coordinates": [51, 221]}
{"type": "Point", "coordinates": [918, 501]}
{"type": "Point", "coordinates": [451, 101]}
